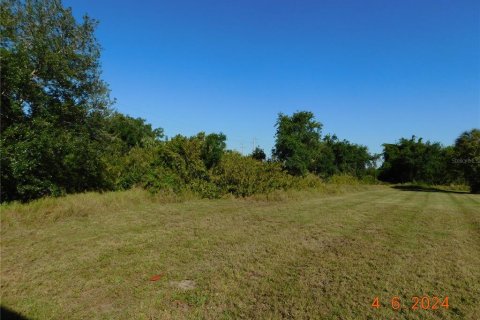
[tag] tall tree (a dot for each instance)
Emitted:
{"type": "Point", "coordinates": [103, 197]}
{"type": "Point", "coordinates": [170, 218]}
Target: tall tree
{"type": "Point", "coordinates": [414, 160]}
{"type": "Point", "coordinates": [297, 141]}
{"type": "Point", "coordinates": [467, 152]}
{"type": "Point", "coordinates": [213, 148]}
{"type": "Point", "coordinates": [51, 92]}
{"type": "Point", "coordinates": [133, 132]}
{"type": "Point", "coordinates": [258, 154]}
{"type": "Point", "coordinates": [346, 157]}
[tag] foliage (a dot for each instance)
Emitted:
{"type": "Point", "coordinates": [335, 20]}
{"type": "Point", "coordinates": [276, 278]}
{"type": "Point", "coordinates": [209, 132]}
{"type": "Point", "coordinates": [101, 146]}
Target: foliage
{"type": "Point", "coordinates": [133, 132]}
{"type": "Point", "coordinates": [413, 160]}
{"type": "Point", "coordinates": [258, 154]}
{"type": "Point", "coordinates": [244, 176]}
{"type": "Point", "coordinates": [47, 160]}
{"type": "Point", "coordinates": [132, 168]}
{"type": "Point", "coordinates": [324, 161]}
{"type": "Point", "coordinates": [53, 101]}
{"type": "Point", "coordinates": [467, 153]}
{"type": "Point", "coordinates": [59, 134]}
{"type": "Point", "coordinates": [213, 148]}
{"type": "Point", "coordinates": [50, 64]}
{"type": "Point", "coordinates": [205, 189]}
{"type": "Point", "coordinates": [174, 165]}
{"type": "Point", "coordinates": [341, 156]}
{"type": "Point", "coordinates": [300, 149]}
{"type": "Point", "coordinates": [309, 181]}
{"type": "Point", "coordinates": [344, 179]}
{"type": "Point", "coordinates": [297, 140]}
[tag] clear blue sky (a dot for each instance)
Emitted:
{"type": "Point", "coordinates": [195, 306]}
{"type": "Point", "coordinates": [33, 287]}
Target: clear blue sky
{"type": "Point", "coordinates": [371, 71]}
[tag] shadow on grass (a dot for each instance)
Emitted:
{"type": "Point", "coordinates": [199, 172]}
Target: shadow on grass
{"type": "Point", "coordinates": [425, 189]}
{"type": "Point", "coordinates": [7, 314]}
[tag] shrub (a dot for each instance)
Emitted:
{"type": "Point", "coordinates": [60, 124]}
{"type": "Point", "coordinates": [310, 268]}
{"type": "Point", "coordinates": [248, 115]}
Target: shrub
{"type": "Point", "coordinates": [467, 151]}
{"type": "Point", "coordinates": [344, 179]}
{"type": "Point", "coordinates": [244, 176]}
{"type": "Point", "coordinates": [205, 189]}
{"type": "Point", "coordinates": [162, 179]}
{"type": "Point", "coordinates": [310, 181]}
{"type": "Point", "coordinates": [369, 180]}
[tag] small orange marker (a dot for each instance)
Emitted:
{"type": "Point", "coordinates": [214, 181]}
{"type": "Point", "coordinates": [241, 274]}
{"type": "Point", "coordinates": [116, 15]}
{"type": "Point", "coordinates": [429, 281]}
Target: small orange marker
{"type": "Point", "coordinates": [157, 277]}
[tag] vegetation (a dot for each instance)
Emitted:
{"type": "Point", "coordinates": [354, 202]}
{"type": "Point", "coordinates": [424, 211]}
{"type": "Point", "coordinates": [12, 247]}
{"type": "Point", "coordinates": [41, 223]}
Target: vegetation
{"type": "Point", "coordinates": [305, 255]}
{"type": "Point", "coordinates": [305, 233]}
{"type": "Point", "coordinates": [53, 102]}
{"type": "Point", "coordinates": [467, 151]}
{"type": "Point", "coordinates": [60, 134]}
{"type": "Point", "coordinates": [344, 157]}
{"type": "Point", "coordinates": [259, 154]}
{"type": "Point", "coordinates": [297, 142]}
{"type": "Point", "coordinates": [412, 160]}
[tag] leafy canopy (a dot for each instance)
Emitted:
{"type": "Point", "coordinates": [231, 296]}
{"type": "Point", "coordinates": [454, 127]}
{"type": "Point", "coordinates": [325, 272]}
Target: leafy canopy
{"type": "Point", "coordinates": [467, 157]}
{"type": "Point", "coordinates": [297, 140]}
{"type": "Point", "coordinates": [53, 101]}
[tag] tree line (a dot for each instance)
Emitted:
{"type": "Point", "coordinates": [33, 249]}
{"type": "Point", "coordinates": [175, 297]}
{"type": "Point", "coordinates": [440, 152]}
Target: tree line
{"type": "Point", "coordinates": [412, 160]}
{"type": "Point", "coordinates": [60, 133]}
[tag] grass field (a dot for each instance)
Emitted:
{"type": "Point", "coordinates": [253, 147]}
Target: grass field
{"type": "Point", "coordinates": [312, 256]}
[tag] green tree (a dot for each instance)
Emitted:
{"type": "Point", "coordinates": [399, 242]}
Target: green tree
{"type": "Point", "coordinates": [213, 148]}
{"type": "Point", "coordinates": [324, 161]}
{"type": "Point", "coordinates": [414, 160]}
{"type": "Point", "coordinates": [133, 132]}
{"type": "Point", "coordinates": [398, 161]}
{"type": "Point", "coordinates": [467, 152]}
{"type": "Point", "coordinates": [42, 159]}
{"type": "Point", "coordinates": [51, 93]}
{"type": "Point", "coordinates": [344, 157]}
{"type": "Point", "coordinates": [244, 176]}
{"type": "Point", "coordinates": [297, 141]}
{"type": "Point", "coordinates": [258, 154]}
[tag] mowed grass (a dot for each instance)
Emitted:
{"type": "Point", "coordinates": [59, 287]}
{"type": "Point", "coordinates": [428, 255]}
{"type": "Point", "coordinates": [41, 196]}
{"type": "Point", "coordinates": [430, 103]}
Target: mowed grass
{"type": "Point", "coordinates": [312, 256]}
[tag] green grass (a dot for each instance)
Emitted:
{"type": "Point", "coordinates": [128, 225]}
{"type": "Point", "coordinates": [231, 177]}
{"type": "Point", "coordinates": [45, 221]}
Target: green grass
{"type": "Point", "coordinates": [305, 255]}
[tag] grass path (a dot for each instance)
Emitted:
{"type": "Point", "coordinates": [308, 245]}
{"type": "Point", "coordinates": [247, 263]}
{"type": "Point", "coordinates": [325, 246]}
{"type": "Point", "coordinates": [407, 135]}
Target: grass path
{"type": "Point", "coordinates": [321, 257]}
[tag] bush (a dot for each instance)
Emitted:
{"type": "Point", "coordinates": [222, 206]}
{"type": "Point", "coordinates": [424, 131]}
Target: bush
{"type": "Point", "coordinates": [205, 189]}
{"type": "Point", "coordinates": [369, 180]}
{"type": "Point", "coordinates": [344, 179]}
{"type": "Point", "coordinates": [467, 153]}
{"type": "Point", "coordinates": [310, 181]}
{"type": "Point", "coordinates": [244, 176]}
{"type": "Point", "coordinates": [39, 159]}
{"type": "Point", "coordinates": [162, 179]}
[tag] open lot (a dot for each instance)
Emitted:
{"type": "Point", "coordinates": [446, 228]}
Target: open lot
{"type": "Point", "coordinates": [314, 256]}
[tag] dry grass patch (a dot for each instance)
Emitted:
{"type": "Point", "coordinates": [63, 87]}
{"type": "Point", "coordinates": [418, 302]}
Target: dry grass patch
{"type": "Point", "coordinates": [305, 255]}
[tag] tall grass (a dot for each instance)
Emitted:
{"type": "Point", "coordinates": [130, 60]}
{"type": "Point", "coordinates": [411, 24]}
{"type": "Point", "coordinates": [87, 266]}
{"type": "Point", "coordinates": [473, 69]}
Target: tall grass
{"type": "Point", "coordinates": [82, 205]}
{"type": "Point", "coordinates": [50, 209]}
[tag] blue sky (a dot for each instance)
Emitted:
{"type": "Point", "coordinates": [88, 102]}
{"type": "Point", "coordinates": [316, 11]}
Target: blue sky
{"type": "Point", "coordinates": [371, 71]}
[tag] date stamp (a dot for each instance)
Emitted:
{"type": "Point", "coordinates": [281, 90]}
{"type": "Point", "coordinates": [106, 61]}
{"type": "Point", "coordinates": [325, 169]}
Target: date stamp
{"type": "Point", "coordinates": [415, 303]}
